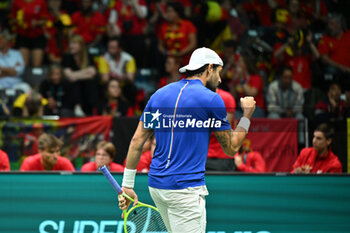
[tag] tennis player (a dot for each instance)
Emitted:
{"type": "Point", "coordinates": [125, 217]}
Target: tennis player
{"type": "Point", "coordinates": [182, 115]}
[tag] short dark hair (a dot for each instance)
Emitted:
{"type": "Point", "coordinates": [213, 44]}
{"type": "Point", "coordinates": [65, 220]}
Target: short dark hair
{"type": "Point", "coordinates": [200, 71]}
{"type": "Point", "coordinates": [326, 129]}
{"type": "Point", "coordinates": [178, 8]}
{"type": "Point", "coordinates": [282, 69]}
{"type": "Point", "coordinates": [116, 38]}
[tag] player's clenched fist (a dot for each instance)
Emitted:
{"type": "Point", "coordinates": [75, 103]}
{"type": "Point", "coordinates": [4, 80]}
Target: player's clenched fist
{"type": "Point", "coordinates": [248, 106]}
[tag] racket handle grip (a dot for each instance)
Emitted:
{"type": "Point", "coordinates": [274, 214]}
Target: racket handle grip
{"type": "Point", "coordinates": [111, 179]}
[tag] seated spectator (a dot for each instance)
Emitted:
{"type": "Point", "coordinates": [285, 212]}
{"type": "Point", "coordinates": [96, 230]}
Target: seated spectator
{"type": "Point", "coordinates": [334, 47]}
{"type": "Point", "coordinates": [88, 23]}
{"type": "Point", "coordinates": [120, 65]}
{"type": "Point", "coordinates": [334, 108]}
{"type": "Point", "coordinates": [29, 19]}
{"type": "Point", "coordinates": [178, 36]}
{"type": "Point", "coordinates": [11, 65]}
{"type": "Point", "coordinates": [30, 104]}
{"type": "Point", "coordinates": [116, 104]}
{"type": "Point", "coordinates": [57, 92]}
{"type": "Point", "coordinates": [4, 161]}
{"type": "Point", "coordinates": [79, 69]}
{"type": "Point", "coordinates": [56, 31]}
{"type": "Point", "coordinates": [48, 158]}
{"type": "Point", "coordinates": [248, 83]}
{"type": "Point", "coordinates": [299, 52]}
{"type": "Point", "coordinates": [285, 96]}
{"type": "Point", "coordinates": [217, 160]}
{"type": "Point", "coordinates": [146, 155]}
{"type": "Point", "coordinates": [249, 161]}
{"type": "Point", "coordinates": [30, 139]}
{"type": "Point", "coordinates": [230, 59]}
{"type": "Point", "coordinates": [105, 152]}
{"type": "Point", "coordinates": [319, 158]}
{"type": "Point", "coordinates": [172, 66]}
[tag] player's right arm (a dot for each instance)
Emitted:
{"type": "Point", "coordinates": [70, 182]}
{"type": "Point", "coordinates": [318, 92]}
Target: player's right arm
{"type": "Point", "coordinates": [231, 140]}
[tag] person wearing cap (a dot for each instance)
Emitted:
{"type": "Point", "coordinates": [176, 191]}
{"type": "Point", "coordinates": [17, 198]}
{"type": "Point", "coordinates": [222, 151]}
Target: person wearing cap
{"type": "Point", "coordinates": [182, 116]}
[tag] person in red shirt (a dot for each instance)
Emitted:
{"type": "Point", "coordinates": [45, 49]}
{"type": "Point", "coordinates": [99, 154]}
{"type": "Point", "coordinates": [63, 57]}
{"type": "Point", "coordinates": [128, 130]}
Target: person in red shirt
{"type": "Point", "coordinates": [259, 11]}
{"type": "Point", "coordinates": [319, 158]}
{"type": "Point", "coordinates": [56, 31]}
{"type": "Point", "coordinates": [48, 158]}
{"type": "Point", "coordinates": [249, 161]}
{"type": "Point", "coordinates": [29, 19]}
{"type": "Point", "coordinates": [217, 160]}
{"type": "Point", "coordinates": [298, 53]}
{"type": "Point", "coordinates": [178, 36]}
{"type": "Point", "coordinates": [104, 156]}
{"type": "Point", "coordinates": [4, 161]}
{"type": "Point", "coordinates": [88, 23]}
{"type": "Point", "coordinates": [127, 19]}
{"type": "Point", "coordinates": [334, 48]}
{"type": "Point", "coordinates": [248, 83]}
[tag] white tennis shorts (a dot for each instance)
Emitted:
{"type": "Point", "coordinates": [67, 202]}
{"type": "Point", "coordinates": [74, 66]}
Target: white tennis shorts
{"type": "Point", "coordinates": [182, 210]}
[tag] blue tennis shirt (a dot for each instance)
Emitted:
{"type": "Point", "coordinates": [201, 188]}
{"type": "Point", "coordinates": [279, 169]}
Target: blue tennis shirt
{"type": "Point", "coordinates": [183, 115]}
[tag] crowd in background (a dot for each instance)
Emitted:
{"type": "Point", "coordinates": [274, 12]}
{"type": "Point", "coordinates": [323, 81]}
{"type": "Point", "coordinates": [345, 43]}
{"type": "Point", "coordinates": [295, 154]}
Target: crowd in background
{"type": "Point", "coordinates": [106, 57]}
{"type": "Point", "coordinates": [86, 57]}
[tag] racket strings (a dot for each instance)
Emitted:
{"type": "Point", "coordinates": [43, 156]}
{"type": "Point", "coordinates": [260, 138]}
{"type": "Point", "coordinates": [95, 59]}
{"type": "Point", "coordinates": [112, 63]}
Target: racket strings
{"type": "Point", "coordinates": [144, 219]}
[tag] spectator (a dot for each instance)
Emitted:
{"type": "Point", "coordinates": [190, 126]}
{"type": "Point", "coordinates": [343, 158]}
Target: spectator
{"type": "Point", "coordinates": [319, 158]}
{"type": "Point", "coordinates": [178, 36]}
{"type": "Point", "coordinates": [285, 96]}
{"type": "Point", "coordinates": [334, 108]}
{"type": "Point", "coordinates": [57, 91]}
{"type": "Point", "coordinates": [334, 47]}
{"type": "Point", "coordinates": [298, 18]}
{"type": "Point", "coordinates": [30, 104]}
{"type": "Point", "coordinates": [120, 65]}
{"type": "Point", "coordinates": [259, 12]}
{"type": "Point", "coordinates": [104, 157]}
{"type": "Point", "coordinates": [278, 33]}
{"type": "Point", "coordinates": [79, 69]}
{"type": "Point", "coordinates": [128, 20]}
{"type": "Point", "coordinates": [4, 161]}
{"type": "Point", "coordinates": [248, 83]}
{"type": "Point", "coordinates": [89, 24]}
{"type": "Point", "coordinates": [249, 161]}
{"type": "Point", "coordinates": [11, 65]}
{"type": "Point", "coordinates": [56, 31]}
{"type": "Point", "coordinates": [116, 104]}
{"type": "Point", "coordinates": [48, 158]}
{"type": "Point", "coordinates": [315, 12]}
{"type": "Point", "coordinates": [29, 19]}
{"type": "Point", "coordinates": [230, 58]}
{"type": "Point", "coordinates": [217, 160]}
{"type": "Point", "coordinates": [30, 139]}
{"type": "Point", "coordinates": [172, 66]}
{"type": "Point", "coordinates": [146, 155]}
{"type": "Point", "coordinates": [299, 55]}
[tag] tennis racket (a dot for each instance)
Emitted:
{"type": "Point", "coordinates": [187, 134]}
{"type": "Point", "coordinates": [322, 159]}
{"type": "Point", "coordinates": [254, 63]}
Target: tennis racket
{"type": "Point", "coordinates": [141, 218]}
